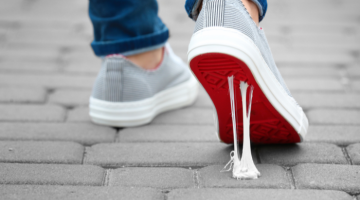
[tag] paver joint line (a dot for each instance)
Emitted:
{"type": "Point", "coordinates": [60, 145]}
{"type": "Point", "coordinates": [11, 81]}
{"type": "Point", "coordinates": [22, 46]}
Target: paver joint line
{"type": "Point", "coordinates": [290, 176]}
{"type": "Point", "coordinates": [346, 154]}
{"type": "Point", "coordinates": [84, 155]}
{"type": "Point", "coordinates": [256, 150]}
{"type": "Point", "coordinates": [107, 177]}
{"type": "Point", "coordinates": [196, 178]}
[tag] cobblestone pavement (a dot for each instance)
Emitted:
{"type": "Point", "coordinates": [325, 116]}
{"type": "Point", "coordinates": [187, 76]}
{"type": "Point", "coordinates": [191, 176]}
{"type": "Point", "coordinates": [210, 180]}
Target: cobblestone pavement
{"type": "Point", "coordinates": [50, 150]}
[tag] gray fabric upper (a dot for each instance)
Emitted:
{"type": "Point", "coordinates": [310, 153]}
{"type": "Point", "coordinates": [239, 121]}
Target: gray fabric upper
{"type": "Point", "coordinates": [233, 14]}
{"type": "Point", "coordinates": [119, 80]}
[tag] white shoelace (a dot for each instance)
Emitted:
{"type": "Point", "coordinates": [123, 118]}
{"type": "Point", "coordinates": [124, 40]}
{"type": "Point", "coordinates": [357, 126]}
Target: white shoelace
{"type": "Point", "coordinates": [244, 168]}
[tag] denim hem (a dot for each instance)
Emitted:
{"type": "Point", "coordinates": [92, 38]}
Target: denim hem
{"type": "Point", "coordinates": [191, 7]}
{"type": "Point", "coordinates": [194, 12]}
{"type": "Point", "coordinates": [132, 46]}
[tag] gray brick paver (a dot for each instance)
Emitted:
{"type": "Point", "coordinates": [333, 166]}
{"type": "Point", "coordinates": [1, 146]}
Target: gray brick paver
{"type": "Point", "coordinates": [68, 97]}
{"type": "Point", "coordinates": [311, 71]}
{"type": "Point", "coordinates": [356, 85]}
{"type": "Point", "coordinates": [203, 99]}
{"type": "Point", "coordinates": [354, 153]}
{"type": "Point", "coordinates": [327, 177]}
{"type": "Point", "coordinates": [48, 81]}
{"type": "Point", "coordinates": [158, 154]}
{"type": "Point", "coordinates": [22, 95]}
{"type": "Point", "coordinates": [41, 152]}
{"type": "Point", "coordinates": [327, 100]}
{"type": "Point", "coordinates": [162, 178]}
{"type": "Point", "coordinates": [41, 192]}
{"type": "Point", "coordinates": [79, 114]}
{"type": "Point", "coordinates": [31, 113]}
{"type": "Point", "coordinates": [340, 135]}
{"type": "Point", "coordinates": [354, 71]}
{"type": "Point", "coordinates": [83, 133]}
{"type": "Point", "coordinates": [29, 56]}
{"type": "Point", "coordinates": [272, 176]}
{"type": "Point", "coordinates": [24, 67]}
{"type": "Point", "coordinates": [293, 154]}
{"type": "Point", "coordinates": [168, 133]}
{"type": "Point", "coordinates": [190, 115]}
{"type": "Point", "coordinates": [314, 84]}
{"type": "Point", "coordinates": [78, 67]}
{"type": "Point", "coordinates": [301, 57]}
{"type": "Point", "coordinates": [334, 116]}
{"type": "Point", "coordinates": [51, 174]}
{"type": "Point", "coordinates": [255, 194]}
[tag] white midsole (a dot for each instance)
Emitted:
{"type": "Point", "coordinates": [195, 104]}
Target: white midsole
{"type": "Point", "coordinates": [232, 42]}
{"type": "Point", "coordinates": [128, 114]}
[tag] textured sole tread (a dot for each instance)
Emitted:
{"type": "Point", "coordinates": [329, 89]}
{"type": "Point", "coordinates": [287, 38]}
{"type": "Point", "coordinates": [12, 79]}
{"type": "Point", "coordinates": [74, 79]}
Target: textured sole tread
{"type": "Point", "coordinates": [267, 125]}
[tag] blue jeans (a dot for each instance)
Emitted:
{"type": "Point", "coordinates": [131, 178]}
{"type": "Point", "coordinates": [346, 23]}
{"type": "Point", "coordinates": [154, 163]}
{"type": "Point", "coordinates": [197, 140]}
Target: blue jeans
{"type": "Point", "coordinates": [133, 26]}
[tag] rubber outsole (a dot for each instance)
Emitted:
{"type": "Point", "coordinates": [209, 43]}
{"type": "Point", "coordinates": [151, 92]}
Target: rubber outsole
{"type": "Point", "coordinates": [267, 125]}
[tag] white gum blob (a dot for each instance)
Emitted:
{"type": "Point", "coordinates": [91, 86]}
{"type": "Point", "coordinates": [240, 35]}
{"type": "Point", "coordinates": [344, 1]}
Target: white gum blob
{"type": "Point", "coordinates": [245, 168]}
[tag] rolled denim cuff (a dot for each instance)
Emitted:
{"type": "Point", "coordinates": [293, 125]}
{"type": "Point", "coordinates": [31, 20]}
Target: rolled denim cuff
{"type": "Point", "coordinates": [131, 46]}
{"type": "Point", "coordinates": [192, 7]}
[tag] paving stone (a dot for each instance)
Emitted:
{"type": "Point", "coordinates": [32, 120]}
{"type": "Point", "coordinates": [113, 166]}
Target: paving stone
{"type": "Point", "coordinates": [354, 153]}
{"type": "Point", "coordinates": [298, 57]}
{"type": "Point", "coordinates": [356, 85]}
{"type": "Point", "coordinates": [354, 71]}
{"type": "Point", "coordinates": [334, 116]}
{"type": "Point", "coordinates": [83, 133]}
{"type": "Point", "coordinates": [312, 71]}
{"type": "Point", "coordinates": [48, 81]}
{"type": "Point", "coordinates": [22, 95]}
{"type": "Point", "coordinates": [198, 116]}
{"type": "Point", "coordinates": [68, 97]}
{"type": "Point", "coordinates": [340, 135]}
{"type": "Point", "coordinates": [79, 114]}
{"type": "Point", "coordinates": [158, 154]}
{"type": "Point", "coordinates": [255, 194]}
{"type": "Point", "coordinates": [327, 100]}
{"type": "Point", "coordinates": [203, 99]}
{"type": "Point", "coordinates": [327, 177]}
{"type": "Point", "coordinates": [41, 192]}
{"type": "Point", "coordinates": [50, 174]}
{"type": "Point", "coordinates": [272, 176]}
{"type": "Point", "coordinates": [30, 56]}
{"type": "Point", "coordinates": [158, 177]}
{"type": "Point", "coordinates": [315, 84]}
{"type": "Point", "coordinates": [169, 133]}
{"type": "Point", "coordinates": [31, 113]}
{"type": "Point", "coordinates": [41, 152]}
{"type": "Point", "coordinates": [83, 66]}
{"type": "Point", "coordinates": [24, 67]}
{"type": "Point", "coordinates": [293, 154]}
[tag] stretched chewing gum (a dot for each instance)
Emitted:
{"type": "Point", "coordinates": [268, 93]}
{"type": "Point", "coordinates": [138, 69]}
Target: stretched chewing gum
{"type": "Point", "coordinates": [245, 168]}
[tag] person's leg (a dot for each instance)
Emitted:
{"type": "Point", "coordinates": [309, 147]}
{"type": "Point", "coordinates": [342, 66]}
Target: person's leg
{"type": "Point", "coordinates": [128, 27]}
{"type": "Point", "coordinates": [229, 50]}
{"type": "Point", "coordinates": [140, 76]}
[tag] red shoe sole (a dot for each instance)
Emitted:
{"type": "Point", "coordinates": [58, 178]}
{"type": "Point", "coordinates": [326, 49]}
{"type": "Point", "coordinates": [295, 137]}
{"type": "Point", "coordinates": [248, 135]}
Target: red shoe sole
{"type": "Point", "coordinates": [267, 125]}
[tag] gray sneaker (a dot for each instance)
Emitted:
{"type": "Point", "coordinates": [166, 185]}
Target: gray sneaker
{"type": "Point", "coordinates": [226, 43]}
{"type": "Point", "coordinates": [126, 95]}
